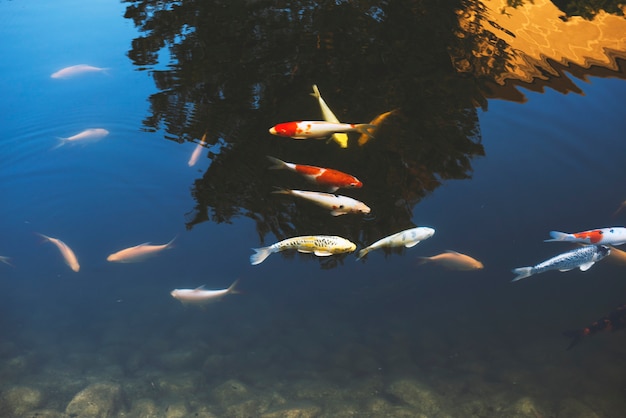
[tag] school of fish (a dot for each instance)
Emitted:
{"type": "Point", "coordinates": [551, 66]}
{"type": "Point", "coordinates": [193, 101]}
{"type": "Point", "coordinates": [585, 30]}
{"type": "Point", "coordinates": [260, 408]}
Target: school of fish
{"type": "Point", "coordinates": [594, 244]}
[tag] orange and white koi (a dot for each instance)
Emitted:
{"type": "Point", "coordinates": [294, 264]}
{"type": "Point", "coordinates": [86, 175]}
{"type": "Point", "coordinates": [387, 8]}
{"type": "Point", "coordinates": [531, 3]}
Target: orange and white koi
{"type": "Point", "coordinates": [337, 204]}
{"type": "Point", "coordinates": [329, 116]}
{"type": "Point", "coordinates": [376, 122]}
{"type": "Point", "coordinates": [333, 179]}
{"type": "Point", "coordinates": [68, 255]}
{"type": "Point", "coordinates": [139, 252]}
{"type": "Point", "coordinates": [609, 236]}
{"type": "Point", "coordinates": [320, 245]}
{"type": "Point", "coordinates": [202, 296]}
{"type": "Point", "coordinates": [317, 129]}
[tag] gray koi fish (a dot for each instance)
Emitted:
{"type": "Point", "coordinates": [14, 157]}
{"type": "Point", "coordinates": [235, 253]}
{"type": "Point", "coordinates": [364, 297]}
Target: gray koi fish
{"type": "Point", "coordinates": [583, 258]}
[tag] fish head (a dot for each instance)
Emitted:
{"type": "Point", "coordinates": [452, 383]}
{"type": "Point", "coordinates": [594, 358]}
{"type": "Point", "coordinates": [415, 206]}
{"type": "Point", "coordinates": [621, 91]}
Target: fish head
{"type": "Point", "coordinates": [427, 232]}
{"type": "Point", "coordinates": [112, 258]}
{"type": "Point", "coordinates": [174, 293]}
{"type": "Point", "coordinates": [362, 208]}
{"type": "Point", "coordinates": [356, 184]}
{"type": "Point", "coordinates": [285, 129]}
{"type": "Point", "coordinates": [617, 235]}
{"type": "Point", "coordinates": [603, 251]}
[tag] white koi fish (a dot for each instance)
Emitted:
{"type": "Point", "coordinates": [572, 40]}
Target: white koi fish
{"type": "Point", "coordinates": [68, 255]}
{"type": "Point", "coordinates": [337, 204]}
{"type": "Point", "coordinates": [329, 116]}
{"type": "Point", "coordinates": [201, 296]}
{"type": "Point", "coordinates": [139, 252]}
{"type": "Point", "coordinates": [197, 151]}
{"type": "Point", "coordinates": [317, 129]}
{"type": "Point", "coordinates": [610, 236]}
{"type": "Point", "coordinates": [320, 245]}
{"type": "Point", "coordinates": [88, 135]}
{"type": "Point", "coordinates": [407, 238]}
{"type": "Point", "coordinates": [583, 258]}
{"type": "Point", "coordinates": [454, 261]}
{"type": "Point", "coordinates": [75, 70]}
{"type": "Point", "coordinates": [6, 260]}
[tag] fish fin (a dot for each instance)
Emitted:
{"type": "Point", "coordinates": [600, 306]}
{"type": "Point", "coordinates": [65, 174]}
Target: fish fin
{"type": "Point", "coordinates": [337, 212]}
{"type": "Point", "coordinates": [278, 164]}
{"type": "Point", "coordinates": [362, 253]}
{"type": "Point", "coordinates": [7, 261]}
{"type": "Point", "coordinates": [423, 260]}
{"type": "Point", "coordinates": [341, 139]}
{"type": "Point", "coordinates": [322, 253]}
{"type": "Point", "coordinates": [232, 288]}
{"type": "Point", "coordinates": [260, 255]}
{"type": "Point", "coordinates": [411, 244]}
{"type": "Point", "coordinates": [281, 191]}
{"type": "Point", "coordinates": [170, 244]}
{"type": "Point", "coordinates": [522, 273]}
{"type": "Point", "coordinates": [587, 266]}
{"type": "Point", "coordinates": [576, 335]}
{"type": "Point", "coordinates": [197, 289]}
{"type": "Point", "coordinates": [453, 252]}
{"type": "Point", "coordinates": [558, 236]}
{"type": "Point", "coordinates": [567, 269]}
{"type": "Point", "coordinates": [364, 128]}
{"type": "Point", "coordinates": [62, 141]}
{"type": "Point", "coordinates": [316, 92]}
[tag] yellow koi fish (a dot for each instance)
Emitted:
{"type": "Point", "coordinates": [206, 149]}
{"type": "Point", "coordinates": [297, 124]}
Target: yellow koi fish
{"type": "Point", "coordinates": [320, 245]}
{"type": "Point", "coordinates": [329, 116]}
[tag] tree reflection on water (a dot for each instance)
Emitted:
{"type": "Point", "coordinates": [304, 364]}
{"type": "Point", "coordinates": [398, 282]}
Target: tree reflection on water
{"type": "Point", "coordinates": [238, 67]}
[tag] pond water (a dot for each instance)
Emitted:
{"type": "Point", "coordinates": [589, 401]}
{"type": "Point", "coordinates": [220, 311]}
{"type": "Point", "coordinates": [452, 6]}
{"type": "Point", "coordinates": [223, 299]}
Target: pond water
{"type": "Point", "coordinates": [508, 123]}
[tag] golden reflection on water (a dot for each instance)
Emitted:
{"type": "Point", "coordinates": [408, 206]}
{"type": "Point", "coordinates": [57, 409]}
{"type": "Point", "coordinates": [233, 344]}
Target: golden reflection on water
{"type": "Point", "coordinates": [540, 45]}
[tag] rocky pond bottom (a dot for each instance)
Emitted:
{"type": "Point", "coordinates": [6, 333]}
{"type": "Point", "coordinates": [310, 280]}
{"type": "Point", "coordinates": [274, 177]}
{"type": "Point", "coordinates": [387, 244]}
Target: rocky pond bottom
{"type": "Point", "coordinates": [305, 362]}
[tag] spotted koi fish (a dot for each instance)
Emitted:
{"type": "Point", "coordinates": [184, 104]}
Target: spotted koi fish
{"type": "Point", "coordinates": [333, 179]}
{"type": "Point", "coordinates": [317, 129]}
{"type": "Point", "coordinates": [320, 245]}
{"type": "Point", "coordinates": [609, 236]}
{"type": "Point", "coordinates": [612, 322]}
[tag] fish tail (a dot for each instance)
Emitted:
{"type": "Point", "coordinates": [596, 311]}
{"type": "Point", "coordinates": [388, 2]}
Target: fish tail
{"type": "Point", "coordinates": [232, 288]}
{"type": "Point", "coordinates": [278, 164]}
{"type": "Point", "coordinates": [281, 191]}
{"type": "Point", "coordinates": [260, 255]}
{"type": "Point", "coordinates": [362, 253]}
{"type": "Point", "coordinates": [170, 244]}
{"type": "Point", "coordinates": [61, 142]}
{"type": "Point", "coordinates": [366, 129]}
{"type": "Point", "coordinates": [523, 272]}
{"type": "Point", "coordinates": [576, 335]}
{"type": "Point", "coordinates": [44, 238]}
{"type": "Point", "coordinates": [558, 236]}
{"type": "Point", "coordinates": [316, 92]}
{"type": "Point", "coordinates": [422, 260]}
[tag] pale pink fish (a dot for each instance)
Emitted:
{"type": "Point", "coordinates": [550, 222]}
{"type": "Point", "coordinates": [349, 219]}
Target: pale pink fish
{"type": "Point", "coordinates": [75, 70]}
{"type": "Point", "coordinates": [88, 135]}
{"type": "Point", "coordinates": [454, 261]}
{"type": "Point", "coordinates": [139, 252]}
{"type": "Point", "coordinates": [197, 151]}
{"type": "Point", "coordinates": [68, 255]}
{"type": "Point", "coordinates": [202, 296]}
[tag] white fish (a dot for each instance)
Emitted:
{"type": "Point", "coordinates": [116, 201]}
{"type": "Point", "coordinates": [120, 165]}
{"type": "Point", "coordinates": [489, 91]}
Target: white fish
{"type": "Point", "coordinates": [139, 252]}
{"type": "Point", "coordinates": [329, 116]}
{"type": "Point", "coordinates": [337, 204]}
{"type": "Point", "coordinates": [88, 135]}
{"type": "Point", "coordinates": [75, 70]}
{"type": "Point", "coordinates": [583, 258]}
{"type": "Point", "coordinates": [407, 238]}
{"type": "Point", "coordinates": [201, 296]}
{"type": "Point", "coordinates": [6, 260]}
{"type": "Point", "coordinates": [615, 235]}
{"type": "Point", "coordinates": [454, 260]}
{"type": "Point", "coordinates": [68, 255]}
{"type": "Point", "coordinates": [197, 151]}
{"type": "Point", "coordinates": [320, 245]}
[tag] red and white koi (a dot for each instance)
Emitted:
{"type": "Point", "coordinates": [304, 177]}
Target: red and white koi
{"type": "Point", "coordinates": [337, 204]}
{"type": "Point", "coordinates": [609, 236]}
{"type": "Point", "coordinates": [317, 129]}
{"type": "Point", "coordinates": [320, 245]}
{"type": "Point", "coordinates": [333, 179]}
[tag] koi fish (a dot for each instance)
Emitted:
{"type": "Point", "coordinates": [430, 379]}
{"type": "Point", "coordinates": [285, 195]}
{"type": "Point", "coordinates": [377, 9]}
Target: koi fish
{"type": "Point", "coordinates": [612, 322]}
{"type": "Point", "coordinates": [617, 256]}
{"type": "Point", "coordinates": [583, 258]}
{"type": "Point", "coordinates": [376, 122]}
{"type": "Point", "coordinates": [317, 129]}
{"type": "Point", "coordinates": [407, 238]}
{"type": "Point", "coordinates": [68, 255]}
{"type": "Point", "coordinates": [337, 204]}
{"type": "Point", "coordinates": [201, 296]}
{"type": "Point", "coordinates": [334, 179]}
{"type": "Point", "coordinates": [75, 70]}
{"type": "Point", "coordinates": [329, 116]}
{"type": "Point", "coordinates": [454, 261]}
{"type": "Point", "coordinates": [6, 260]}
{"type": "Point", "coordinates": [91, 134]}
{"type": "Point", "coordinates": [610, 236]}
{"type": "Point", "coordinates": [139, 252]}
{"type": "Point", "coordinates": [320, 245]}
{"type": "Point", "coordinates": [196, 152]}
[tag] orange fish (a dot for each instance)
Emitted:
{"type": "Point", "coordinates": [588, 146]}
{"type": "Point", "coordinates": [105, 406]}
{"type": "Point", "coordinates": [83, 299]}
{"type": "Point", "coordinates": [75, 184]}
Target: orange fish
{"type": "Point", "coordinates": [333, 179]}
